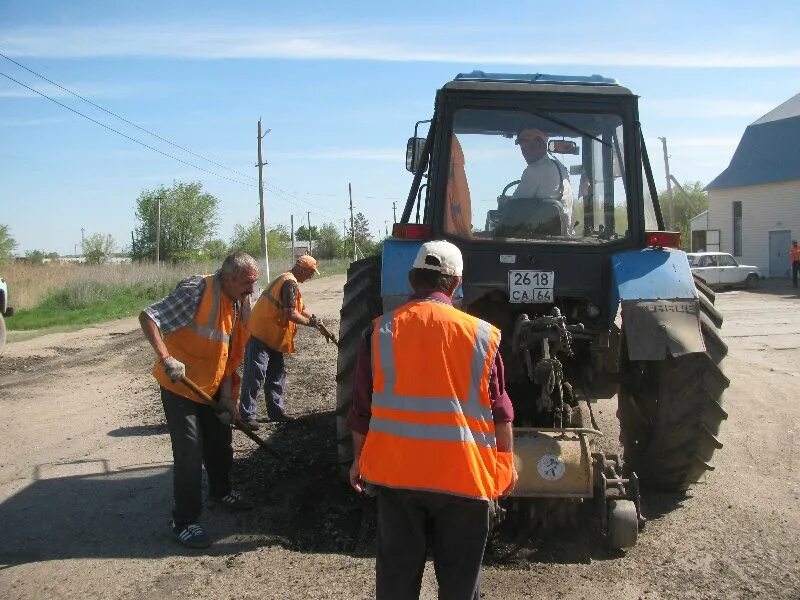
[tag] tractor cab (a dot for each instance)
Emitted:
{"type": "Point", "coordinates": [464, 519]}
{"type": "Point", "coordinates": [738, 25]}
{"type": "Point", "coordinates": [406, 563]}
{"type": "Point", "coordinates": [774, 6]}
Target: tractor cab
{"type": "Point", "coordinates": [532, 159]}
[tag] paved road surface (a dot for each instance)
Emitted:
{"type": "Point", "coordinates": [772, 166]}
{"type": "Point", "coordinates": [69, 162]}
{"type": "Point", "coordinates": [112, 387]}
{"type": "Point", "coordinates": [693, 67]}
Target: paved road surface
{"type": "Point", "coordinates": [85, 488]}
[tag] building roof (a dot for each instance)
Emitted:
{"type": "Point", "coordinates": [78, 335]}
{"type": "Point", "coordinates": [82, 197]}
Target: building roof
{"type": "Point", "coordinates": [769, 151]}
{"type": "Point", "coordinates": [702, 214]}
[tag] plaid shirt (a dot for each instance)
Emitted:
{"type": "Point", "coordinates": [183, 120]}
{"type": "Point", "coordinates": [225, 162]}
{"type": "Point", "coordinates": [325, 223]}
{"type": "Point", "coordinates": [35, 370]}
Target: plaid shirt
{"type": "Point", "coordinates": [177, 309]}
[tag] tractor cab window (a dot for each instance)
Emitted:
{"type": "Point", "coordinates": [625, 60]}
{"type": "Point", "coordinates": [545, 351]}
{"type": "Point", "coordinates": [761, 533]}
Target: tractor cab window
{"type": "Point", "coordinates": [539, 176]}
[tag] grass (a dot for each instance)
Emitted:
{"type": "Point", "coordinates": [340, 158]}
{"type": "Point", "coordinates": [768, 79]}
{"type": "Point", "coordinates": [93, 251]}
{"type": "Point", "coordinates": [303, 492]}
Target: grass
{"type": "Point", "coordinates": [87, 302]}
{"type": "Point", "coordinates": [56, 296]}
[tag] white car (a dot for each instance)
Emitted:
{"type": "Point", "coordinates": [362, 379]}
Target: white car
{"type": "Point", "coordinates": [721, 269]}
{"type": "Point", "coordinates": [5, 311]}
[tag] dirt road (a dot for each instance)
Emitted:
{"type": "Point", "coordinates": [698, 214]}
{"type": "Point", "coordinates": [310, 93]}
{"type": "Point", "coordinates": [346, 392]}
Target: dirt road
{"type": "Point", "coordinates": [85, 485]}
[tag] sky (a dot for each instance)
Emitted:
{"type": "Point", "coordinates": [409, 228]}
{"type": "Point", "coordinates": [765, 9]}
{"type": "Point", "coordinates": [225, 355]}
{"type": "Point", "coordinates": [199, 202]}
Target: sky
{"type": "Point", "coordinates": [340, 86]}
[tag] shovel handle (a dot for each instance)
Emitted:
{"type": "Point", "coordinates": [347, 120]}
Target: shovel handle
{"type": "Point", "coordinates": [214, 404]}
{"type": "Point", "coordinates": [327, 334]}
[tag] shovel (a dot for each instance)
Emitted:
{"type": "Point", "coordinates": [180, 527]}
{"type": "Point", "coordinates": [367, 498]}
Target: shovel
{"type": "Point", "coordinates": [327, 334]}
{"type": "Point", "coordinates": [217, 407]}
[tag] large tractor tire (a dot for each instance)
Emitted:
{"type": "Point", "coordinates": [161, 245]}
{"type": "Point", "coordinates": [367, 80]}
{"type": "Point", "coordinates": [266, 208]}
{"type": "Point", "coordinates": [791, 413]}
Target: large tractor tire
{"type": "Point", "coordinates": [362, 303]}
{"type": "Point", "coordinates": [671, 411]}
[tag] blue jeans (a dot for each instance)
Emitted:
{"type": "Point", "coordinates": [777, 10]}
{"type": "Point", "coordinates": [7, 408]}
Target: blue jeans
{"type": "Point", "coordinates": [263, 369]}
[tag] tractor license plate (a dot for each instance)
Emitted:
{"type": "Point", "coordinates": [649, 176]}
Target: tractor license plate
{"type": "Point", "coordinates": [531, 286]}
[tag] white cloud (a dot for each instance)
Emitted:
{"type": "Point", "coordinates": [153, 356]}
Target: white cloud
{"type": "Point", "coordinates": [710, 142]}
{"type": "Point", "coordinates": [368, 43]}
{"type": "Point", "coordinates": [706, 108]}
{"type": "Point", "coordinates": [86, 89]}
{"type": "Point", "coordinates": [12, 122]}
{"type": "Point", "coordinates": [376, 154]}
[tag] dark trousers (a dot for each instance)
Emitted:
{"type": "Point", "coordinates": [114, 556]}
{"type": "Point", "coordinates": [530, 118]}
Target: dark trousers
{"type": "Point", "coordinates": [795, 270]}
{"type": "Point", "coordinates": [264, 368]}
{"type": "Point", "coordinates": [457, 529]}
{"type": "Point", "coordinates": [199, 439]}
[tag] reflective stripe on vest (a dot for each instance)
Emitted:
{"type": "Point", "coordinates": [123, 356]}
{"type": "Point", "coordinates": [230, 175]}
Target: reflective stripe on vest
{"type": "Point", "coordinates": [268, 320]}
{"type": "Point", "coordinates": [471, 408]}
{"type": "Point", "coordinates": [431, 426]}
{"type": "Point", "coordinates": [211, 345]}
{"type": "Point", "coordinates": [208, 331]}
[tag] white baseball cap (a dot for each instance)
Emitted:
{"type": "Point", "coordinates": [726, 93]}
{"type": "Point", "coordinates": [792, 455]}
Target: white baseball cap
{"type": "Point", "coordinates": [440, 256]}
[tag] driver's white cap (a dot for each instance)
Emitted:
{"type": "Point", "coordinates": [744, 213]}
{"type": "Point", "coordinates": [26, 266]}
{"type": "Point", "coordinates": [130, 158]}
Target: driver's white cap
{"type": "Point", "coordinates": [440, 256]}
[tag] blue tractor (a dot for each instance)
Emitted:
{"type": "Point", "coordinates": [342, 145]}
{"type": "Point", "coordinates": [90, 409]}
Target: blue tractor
{"type": "Point", "coordinates": [544, 183]}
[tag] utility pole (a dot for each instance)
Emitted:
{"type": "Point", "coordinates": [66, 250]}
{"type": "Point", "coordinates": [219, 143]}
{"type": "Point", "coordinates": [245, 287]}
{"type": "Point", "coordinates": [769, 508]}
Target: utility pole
{"type": "Point", "coordinates": [260, 164]}
{"type": "Point", "coordinates": [158, 230]}
{"type": "Point", "coordinates": [83, 241]}
{"type": "Point", "coordinates": [352, 224]}
{"type": "Point", "coordinates": [133, 246]}
{"type": "Point", "coordinates": [310, 243]}
{"type": "Point", "coordinates": [669, 184]}
{"type": "Point", "coordinates": [291, 226]}
{"type": "Point", "coordinates": [386, 228]}
{"type": "Point", "coordinates": [394, 211]}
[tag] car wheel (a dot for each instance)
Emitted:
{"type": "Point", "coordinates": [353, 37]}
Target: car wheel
{"type": "Point", "coordinates": [751, 281]}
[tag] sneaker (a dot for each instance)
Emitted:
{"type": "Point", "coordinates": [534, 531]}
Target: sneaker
{"type": "Point", "coordinates": [250, 423]}
{"type": "Point", "coordinates": [235, 501]}
{"type": "Point", "coordinates": [192, 536]}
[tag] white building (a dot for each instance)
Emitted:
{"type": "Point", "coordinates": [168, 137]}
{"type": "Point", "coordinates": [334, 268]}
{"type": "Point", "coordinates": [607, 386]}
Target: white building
{"type": "Point", "coordinates": [754, 204]}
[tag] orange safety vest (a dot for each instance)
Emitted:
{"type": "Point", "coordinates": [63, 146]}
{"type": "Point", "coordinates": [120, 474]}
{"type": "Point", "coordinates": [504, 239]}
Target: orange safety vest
{"type": "Point", "coordinates": [268, 321]}
{"type": "Point", "coordinates": [211, 346]}
{"type": "Point", "coordinates": [431, 426]}
{"type": "Point", "coordinates": [794, 253]}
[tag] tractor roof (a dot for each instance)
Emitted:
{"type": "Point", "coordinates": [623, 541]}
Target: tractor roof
{"type": "Point", "coordinates": [592, 84]}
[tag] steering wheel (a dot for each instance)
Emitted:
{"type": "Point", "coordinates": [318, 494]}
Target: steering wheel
{"type": "Point", "coordinates": [505, 189]}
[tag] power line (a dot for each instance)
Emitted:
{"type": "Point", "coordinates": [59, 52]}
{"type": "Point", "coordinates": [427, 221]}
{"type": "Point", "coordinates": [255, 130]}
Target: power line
{"type": "Point", "coordinates": [312, 205]}
{"type": "Point", "coordinates": [123, 119]}
{"type": "Point", "coordinates": [284, 196]}
{"type": "Point", "coordinates": [141, 143]}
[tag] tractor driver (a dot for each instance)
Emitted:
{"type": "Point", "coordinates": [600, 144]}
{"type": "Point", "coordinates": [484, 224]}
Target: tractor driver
{"type": "Point", "coordinates": [544, 177]}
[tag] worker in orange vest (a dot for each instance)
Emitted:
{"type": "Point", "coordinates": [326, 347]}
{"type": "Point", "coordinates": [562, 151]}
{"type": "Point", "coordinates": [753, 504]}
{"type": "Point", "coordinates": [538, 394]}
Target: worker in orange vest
{"type": "Point", "coordinates": [432, 435]}
{"type": "Point", "coordinates": [794, 257]}
{"type": "Point", "coordinates": [272, 326]}
{"type": "Point", "coordinates": [197, 331]}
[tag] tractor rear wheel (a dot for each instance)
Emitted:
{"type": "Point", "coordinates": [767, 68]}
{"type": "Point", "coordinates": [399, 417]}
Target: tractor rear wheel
{"type": "Point", "coordinates": [361, 304]}
{"type": "Point", "coordinates": [671, 411]}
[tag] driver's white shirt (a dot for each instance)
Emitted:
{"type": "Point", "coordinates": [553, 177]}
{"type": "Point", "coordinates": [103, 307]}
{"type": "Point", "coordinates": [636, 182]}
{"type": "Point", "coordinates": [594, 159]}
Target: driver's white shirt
{"type": "Point", "coordinates": [542, 179]}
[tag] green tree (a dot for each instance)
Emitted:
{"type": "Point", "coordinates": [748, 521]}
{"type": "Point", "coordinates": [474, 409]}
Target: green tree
{"type": "Point", "coordinates": [7, 244]}
{"type": "Point", "coordinates": [97, 248]}
{"type": "Point", "coordinates": [688, 201]}
{"type": "Point", "coordinates": [188, 221]}
{"type": "Point", "coordinates": [302, 234]}
{"type": "Point", "coordinates": [247, 238]}
{"type": "Point", "coordinates": [35, 257]}
{"type": "Point", "coordinates": [329, 242]}
{"type": "Point", "coordinates": [364, 242]}
{"type": "Point", "coordinates": [215, 250]}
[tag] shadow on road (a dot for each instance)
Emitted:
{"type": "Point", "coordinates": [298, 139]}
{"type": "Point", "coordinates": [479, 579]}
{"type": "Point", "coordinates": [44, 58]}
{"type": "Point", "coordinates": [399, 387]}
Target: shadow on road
{"type": "Point", "coordinates": [139, 430]}
{"type": "Point", "coordinates": [84, 510]}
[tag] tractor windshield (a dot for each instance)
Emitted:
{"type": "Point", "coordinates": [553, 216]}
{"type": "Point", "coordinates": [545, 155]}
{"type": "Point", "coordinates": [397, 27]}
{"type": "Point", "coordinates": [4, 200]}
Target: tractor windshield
{"type": "Point", "coordinates": [539, 176]}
